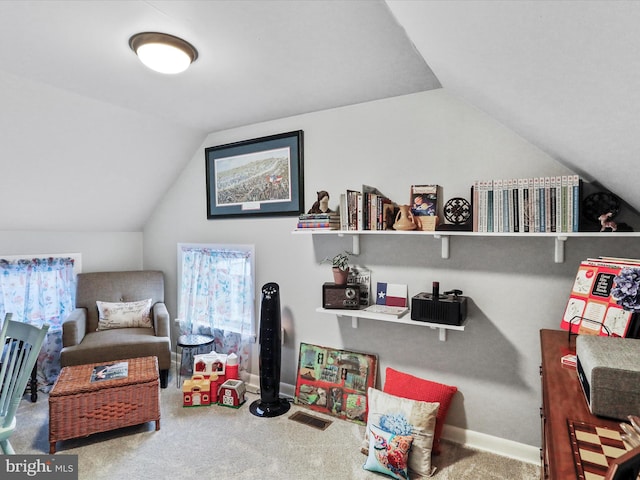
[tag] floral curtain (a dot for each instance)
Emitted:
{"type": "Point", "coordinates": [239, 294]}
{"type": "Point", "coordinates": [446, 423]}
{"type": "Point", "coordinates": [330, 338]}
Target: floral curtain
{"type": "Point", "coordinates": [216, 298]}
{"type": "Point", "coordinates": [39, 291]}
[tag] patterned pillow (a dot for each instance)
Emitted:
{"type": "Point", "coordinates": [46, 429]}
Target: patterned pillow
{"type": "Point", "coordinates": [124, 315]}
{"type": "Point", "coordinates": [402, 416]}
{"type": "Point", "coordinates": [408, 386]}
{"type": "Point", "coordinates": [388, 453]}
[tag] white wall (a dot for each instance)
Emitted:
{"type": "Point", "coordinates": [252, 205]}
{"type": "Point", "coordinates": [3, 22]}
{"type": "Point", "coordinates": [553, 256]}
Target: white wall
{"type": "Point", "coordinates": [101, 251]}
{"type": "Point", "coordinates": [513, 283]}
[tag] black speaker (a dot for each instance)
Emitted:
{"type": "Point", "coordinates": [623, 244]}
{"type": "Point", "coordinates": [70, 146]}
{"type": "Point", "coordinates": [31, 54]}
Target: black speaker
{"type": "Point", "coordinates": [270, 403]}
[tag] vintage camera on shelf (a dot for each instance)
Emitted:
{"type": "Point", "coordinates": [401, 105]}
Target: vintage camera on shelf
{"type": "Point", "coordinates": [341, 296]}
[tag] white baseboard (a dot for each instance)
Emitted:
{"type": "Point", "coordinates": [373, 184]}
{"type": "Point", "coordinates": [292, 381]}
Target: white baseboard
{"type": "Point", "coordinates": [469, 438]}
{"type": "Point", "coordinates": [253, 385]}
{"type": "Point", "coordinates": [489, 443]}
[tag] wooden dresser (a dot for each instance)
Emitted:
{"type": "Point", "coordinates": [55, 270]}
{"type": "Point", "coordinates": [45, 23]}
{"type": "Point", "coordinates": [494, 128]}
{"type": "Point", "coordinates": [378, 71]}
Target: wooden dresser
{"type": "Point", "coordinates": [562, 400]}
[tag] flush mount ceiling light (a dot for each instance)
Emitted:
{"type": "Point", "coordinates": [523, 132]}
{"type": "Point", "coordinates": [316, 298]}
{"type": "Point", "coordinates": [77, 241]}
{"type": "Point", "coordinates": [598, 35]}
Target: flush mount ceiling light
{"type": "Point", "coordinates": [162, 52]}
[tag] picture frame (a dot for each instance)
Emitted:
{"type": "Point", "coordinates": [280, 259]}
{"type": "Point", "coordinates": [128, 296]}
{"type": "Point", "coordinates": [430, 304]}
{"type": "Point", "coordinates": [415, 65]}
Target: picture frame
{"type": "Point", "coordinates": [258, 177]}
{"type": "Point", "coordinates": [335, 382]}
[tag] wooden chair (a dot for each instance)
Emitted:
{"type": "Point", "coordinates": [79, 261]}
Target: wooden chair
{"type": "Point", "coordinates": [21, 345]}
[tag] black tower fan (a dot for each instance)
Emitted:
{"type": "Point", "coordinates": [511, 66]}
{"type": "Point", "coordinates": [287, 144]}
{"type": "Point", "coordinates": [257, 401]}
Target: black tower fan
{"type": "Point", "coordinates": [270, 403]}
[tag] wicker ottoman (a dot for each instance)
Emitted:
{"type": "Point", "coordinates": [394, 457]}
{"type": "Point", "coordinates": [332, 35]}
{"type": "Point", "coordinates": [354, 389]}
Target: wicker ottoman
{"type": "Point", "coordinates": [79, 407]}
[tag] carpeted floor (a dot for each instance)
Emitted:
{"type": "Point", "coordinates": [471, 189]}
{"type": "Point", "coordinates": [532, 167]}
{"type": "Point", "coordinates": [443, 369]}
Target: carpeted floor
{"type": "Point", "coordinates": [220, 442]}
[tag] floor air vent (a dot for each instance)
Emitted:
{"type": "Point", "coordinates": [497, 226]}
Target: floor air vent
{"type": "Point", "coordinates": [310, 420]}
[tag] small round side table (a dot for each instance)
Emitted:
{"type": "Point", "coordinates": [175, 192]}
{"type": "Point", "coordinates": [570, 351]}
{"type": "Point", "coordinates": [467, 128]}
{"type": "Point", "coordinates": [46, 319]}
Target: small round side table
{"type": "Point", "coordinates": [190, 342]}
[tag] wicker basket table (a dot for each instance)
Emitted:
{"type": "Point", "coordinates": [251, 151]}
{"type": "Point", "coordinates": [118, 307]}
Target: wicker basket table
{"type": "Point", "coordinates": [78, 407]}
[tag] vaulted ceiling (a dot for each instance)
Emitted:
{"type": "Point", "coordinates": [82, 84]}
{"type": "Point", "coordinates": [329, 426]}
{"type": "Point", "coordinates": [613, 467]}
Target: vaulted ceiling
{"type": "Point", "coordinates": [81, 120]}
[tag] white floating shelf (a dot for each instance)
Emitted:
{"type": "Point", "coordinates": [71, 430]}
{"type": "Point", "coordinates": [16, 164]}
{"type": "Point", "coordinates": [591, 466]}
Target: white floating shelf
{"type": "Point", "coordinates": [444, 236]}
{"type": "Point", "coordinates": [404, 320]}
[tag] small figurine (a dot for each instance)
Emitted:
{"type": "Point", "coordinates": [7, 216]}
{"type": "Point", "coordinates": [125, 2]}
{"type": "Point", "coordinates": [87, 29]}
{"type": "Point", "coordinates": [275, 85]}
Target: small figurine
{"type": "Point", "coordinates": [606, 223]}
{"type": "Point", "coordinates": [322, 204]}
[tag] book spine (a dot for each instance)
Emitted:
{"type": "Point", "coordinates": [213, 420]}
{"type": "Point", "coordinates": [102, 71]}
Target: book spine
{"type": "Point", "coordinates": [558, 203]}
{"type": "Point", "coordinates": [569, 203]}
{"type": "Point", "coordinates": [344, 217]}
{"type": "Point", "coordinates": [532, 219]}
{"type": "Point", "coordinates": [352, 199]}
{"type": "Point", "coordinates": [563, 196]}
{"type": "Point", "coordinates": [489, 206]}
{"type": "Point", "coordinates": [509, 190]}
{"type": "Point", "coordinates": [577, 184]}
{"type": "Point", "coordinates": [505, 223]}
{"type": "Point", "coordinates": [474, 204]}
{"type": "Point", "coordinates": [318, 216]}
{"type": "Point", "coordinates": [500, 193]}
{"type": "Point", "coordinates": [525, 205]}
{"type": "Point", "coordinates": [333, 225]}
{"type": "Point", "coordinates": [547, 203]}
{"type": "Point", "coordinates": [359, 207]}
{"type": "Point", "coordinates": [373, 213]}
{"type": "Point", "coordinates": [521, 203]}
{"type": "Point", "coordinates": [552, 203]}
{"type": "Point", "coordinates": [478, 205]}
{"type": "Point", "coordinates": [516, 207]}
{"type": "Point", "coordinates": [536, 204]}
{"type": "Point", "coordinates": [498, 205]}
{"type": "Point", "coordinates": [482, 206]}
{"type": "Point", "coordinates": [363, 211]}
{"type": "Point", "coordinates": [542, 206]}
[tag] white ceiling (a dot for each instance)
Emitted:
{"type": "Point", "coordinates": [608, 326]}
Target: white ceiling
{"type": "Point", "coordinates": [564, 74]}
{"type": "Point", "coordinates": [82, 120]}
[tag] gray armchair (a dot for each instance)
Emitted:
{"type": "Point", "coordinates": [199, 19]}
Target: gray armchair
{"type": "Point", "coordinates": [82, 343]}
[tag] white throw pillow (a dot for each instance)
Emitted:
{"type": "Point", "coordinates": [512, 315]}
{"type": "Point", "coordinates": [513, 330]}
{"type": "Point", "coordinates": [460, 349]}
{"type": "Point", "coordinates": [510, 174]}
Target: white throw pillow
{"type": "Point", "coordinates": [402, 416]}
{"type": "Point", "coordinates": [124, 315]}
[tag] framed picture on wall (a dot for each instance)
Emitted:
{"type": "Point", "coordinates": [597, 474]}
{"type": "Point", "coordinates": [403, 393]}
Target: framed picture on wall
{"type": "Point", "coordinates": [335, 382]}
{"type": "Point", "coordinates": [263, 176]}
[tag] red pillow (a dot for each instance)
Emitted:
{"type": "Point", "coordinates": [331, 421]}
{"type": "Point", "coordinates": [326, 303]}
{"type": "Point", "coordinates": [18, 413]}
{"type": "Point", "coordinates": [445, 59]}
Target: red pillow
{"type": "Point", "coordinates": [407, 386]}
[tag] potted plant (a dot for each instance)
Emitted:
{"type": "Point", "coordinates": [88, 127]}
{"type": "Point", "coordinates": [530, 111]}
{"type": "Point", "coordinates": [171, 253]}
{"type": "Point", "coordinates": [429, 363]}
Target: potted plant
{"type": "Point", "coordinates": [340, 264]}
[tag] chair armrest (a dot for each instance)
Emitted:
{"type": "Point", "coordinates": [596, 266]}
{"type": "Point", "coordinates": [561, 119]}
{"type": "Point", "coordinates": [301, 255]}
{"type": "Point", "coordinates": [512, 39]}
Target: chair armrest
{"type": "Point", "coordinates": [161, 320]}
{"type": "Point", "coordinates": [74, 327]}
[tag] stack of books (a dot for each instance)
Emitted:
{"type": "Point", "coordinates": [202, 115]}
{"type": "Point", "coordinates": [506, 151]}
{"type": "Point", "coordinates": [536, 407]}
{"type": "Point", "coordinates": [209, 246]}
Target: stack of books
{"type": "Point", "coordinates": [529, 205]}
{"type": "Point", "coordinates": [319, 221]}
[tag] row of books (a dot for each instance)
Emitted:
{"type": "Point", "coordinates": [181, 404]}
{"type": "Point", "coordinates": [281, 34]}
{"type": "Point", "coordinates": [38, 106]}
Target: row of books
{"type": "Point", "coordinates": [603, 298]}
{"type": "Point", "coordinates": [368, 209]}
{"type": "Point", "coordinates": [530, 205]}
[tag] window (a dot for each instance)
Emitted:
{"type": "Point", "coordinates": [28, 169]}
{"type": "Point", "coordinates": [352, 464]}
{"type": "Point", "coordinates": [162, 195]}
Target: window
{"type": "Point", "coordinates": [38, 291]}
{"type": "Point", "coordinates": [216, 295]}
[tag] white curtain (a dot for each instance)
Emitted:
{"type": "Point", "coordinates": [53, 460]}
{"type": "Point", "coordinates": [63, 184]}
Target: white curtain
{"type": "Point", "coordinates": [39, 291]}
{"type": "Point", "coordinates": [216, 297]}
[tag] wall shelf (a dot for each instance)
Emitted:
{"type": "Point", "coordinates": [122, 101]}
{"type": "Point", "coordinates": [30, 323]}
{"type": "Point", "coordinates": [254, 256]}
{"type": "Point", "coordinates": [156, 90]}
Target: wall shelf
{"type": "Point", "coordinates": [444, 237]}
{"type": "Point", "coordinates": [405, 320]}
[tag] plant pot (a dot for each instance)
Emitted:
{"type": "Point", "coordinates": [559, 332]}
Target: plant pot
{"type": "Point", "coordinates": [340, 276]}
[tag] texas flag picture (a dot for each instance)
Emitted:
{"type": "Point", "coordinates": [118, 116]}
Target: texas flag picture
{"type": "Point", "coordinates": [391, 294]}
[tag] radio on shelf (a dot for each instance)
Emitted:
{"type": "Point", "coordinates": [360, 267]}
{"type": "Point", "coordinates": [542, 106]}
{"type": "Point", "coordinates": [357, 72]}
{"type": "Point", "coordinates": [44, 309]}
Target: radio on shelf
{"type": "Point", "coordinates": [341, 296]}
